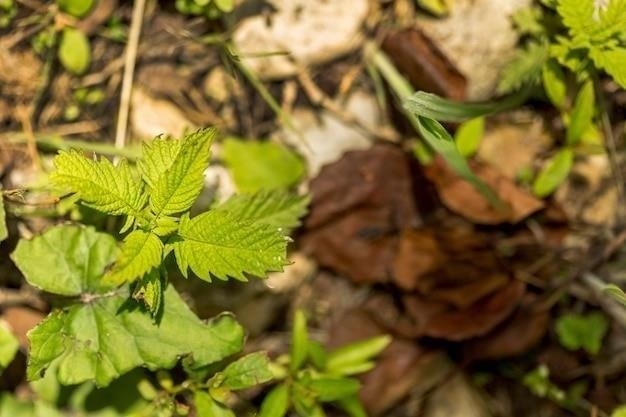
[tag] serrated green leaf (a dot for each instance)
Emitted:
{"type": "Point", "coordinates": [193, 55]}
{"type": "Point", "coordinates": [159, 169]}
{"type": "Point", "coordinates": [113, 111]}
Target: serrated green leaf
{"type": "Point", "coordinates": [468, 136]}
{"type": "Point", "coordinates": [299, 341]}
{"type": "Point", "coordinates": [157, 156]}
{"type": "Point", "coordinates": [99, 183]}
{"type": "Point", "coordinates": [276, 402]}
{"type": "Point", "coordinates": [553, 173]}
{"type": "Point", "coordinates": [248, 371]}
{"type": "Point", "coordinates": [554, 83]}
{"type": "Point", "coordinates": [261, 165]}
{"type": "Point", "coordinates": [74, 51]}
{"type": "Point", "coordinates": [176, 189]}
{"type": "Point", "coordinates": [578, 16]}
{"type": "Point", "coordinates": [105, 338]}
{"type": "Point", "coordinates": [355, 353]}
{"type": "Point", "coordinates": [3, 225]}
{"type": "Point", "coordinates": [527, 21]}
{"type": "Point", "coordinates": [140, 253]}
{"type": "Point", "coordinates": [206, 406]}
{"type": "Point", "coordinates": [275, 208]}
{"type": "Point", "coordinates": [217, 243]}
{"type": "Point", "coordinates": [67, 260]}
{"type": "Point", "coordinates": [149, 291]}
{"type": "Point", "coordinates": [84, 340]}
{"type": "Point", "coordinates": [582, 114]}
{"type": "Point", "coordinates": [76, 8]}
{"type": "Point", "coordinates": [612, 61]}
{"type": "Point", "coordinates": [8, 345]}
{"type": "Point", "coordinates": [577, 331]}
{"type": "Point", "coordinates": [612, 21]}
{"type": "Point", "coordinates": [525, 68]}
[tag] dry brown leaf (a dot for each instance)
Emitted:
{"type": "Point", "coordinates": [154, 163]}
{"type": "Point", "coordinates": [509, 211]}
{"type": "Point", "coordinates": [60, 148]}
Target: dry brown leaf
{"type": "Point", "coordinates": [462, 198]}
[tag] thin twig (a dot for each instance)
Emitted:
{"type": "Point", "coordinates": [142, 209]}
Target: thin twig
{"type": "Point", "coordinates": [130, 57]}
{"type": "Point", "coordinates": [612, 152]}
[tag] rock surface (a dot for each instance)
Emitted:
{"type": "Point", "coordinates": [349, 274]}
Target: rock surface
{"type": "Point", "coordinates": [301, 32]}
{"type": "Point", "coordinates": [479, 38]}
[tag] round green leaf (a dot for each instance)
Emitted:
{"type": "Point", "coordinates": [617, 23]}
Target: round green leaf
{"type": "Point", "coordinates": [74, 51]}
{"type": "Point", "coordinates": [76, 8]}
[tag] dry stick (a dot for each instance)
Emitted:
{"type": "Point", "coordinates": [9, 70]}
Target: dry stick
{"type": "Point", "coordinates": [612, 151]}
{"type": "Point", "coordinates": [130, 57]}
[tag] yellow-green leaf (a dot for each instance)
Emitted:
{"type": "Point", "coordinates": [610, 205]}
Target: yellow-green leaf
{"type": "Point", "coordinates": [74, 51]}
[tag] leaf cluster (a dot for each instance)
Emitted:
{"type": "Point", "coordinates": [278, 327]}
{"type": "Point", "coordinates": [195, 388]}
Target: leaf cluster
{"type": "Point", "coordinates": [583, 36]}
{"type": "Point", "coordinates": [246, 235]}
{"type": "Point", "coordinates": [100, 331]}
{"type": "Point", "coordinates": [312, 376]}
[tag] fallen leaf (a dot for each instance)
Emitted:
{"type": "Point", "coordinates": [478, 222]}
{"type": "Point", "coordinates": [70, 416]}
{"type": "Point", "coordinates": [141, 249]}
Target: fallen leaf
{"type": "Point", "coordinates": [518, 335]}
{"type": "Point", "coordinates": [425, 66]}
{"type": "Point", "coordinates": [359, 204]}
{"type": "Point", "coordinates": [462, 198]}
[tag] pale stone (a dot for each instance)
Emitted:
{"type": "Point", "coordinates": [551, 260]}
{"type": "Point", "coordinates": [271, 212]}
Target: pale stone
{"type": "Point", "coordinates": [479, 38]}
{"type": "Point", "coordinates": [323, 138]}
{"type": "Point", "coordinates": [150, 117]}
{"type": "Point", "coordinates": [300, 32]}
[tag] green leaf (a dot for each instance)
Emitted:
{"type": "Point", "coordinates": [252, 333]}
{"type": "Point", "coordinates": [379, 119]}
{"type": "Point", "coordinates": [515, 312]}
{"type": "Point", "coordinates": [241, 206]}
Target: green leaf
{"type": "Point", "coordinates": [554, 83]}
{"type": "Point", "coordinates": [99, 184]}
{"type": "Point", "coordinates": [612, 21]}
{"type": "Point", "coordinates": [553, 173]}
{"type": "Point", "coordinates": [76, 8]}
{"type": "Point", "coordinates": [352, 406]}
{"type": "Point", "coordinates": [206, 406]}
{"type": "Point", "coordinates": [619, 411]}
{"type": "Point", "coordinates": [261, 165]}
{"type": "Point", "coordinates": [3, 225]}
{"type": "Point", "coordinates": [177, 187]}
{"type": "Point", "coordinates": [248, 371]}
{"type": "Point", "coordinates": [578, 16]}
{"type": "Point", "coordinates": [275, 208]}
{"type": "Point", "coordinates": [104, 336]}
{"type": "Point", "coordinates": [332, 388]}
{"type": "Point", "coordinates": [67, 260]}
{"type": "Point", "coordinates": [612, 61]}
{"type": "Point", "coordinates": [616, 292]}
{"type": "Point", "coordinates": [276, 402]}
{"type": "Point", "coordinates": [157, 157]}
{"type": "Point", "coordinates": [217, 243]}
{"type": "Point", "coordinates": [431, 106]}
{"type": "Point", "coordinates": [149, 291]}
{"type": "Point", "coordinates": [577, 331]}
{"type": "Point", "coordinates": [8, 345]}
{"type": "Point", "coordinates": [74, 51]}
{"type": "Point", "coordinates": [440, 140]}
{"type": "Point", "coordinates": [582, 114]}
{"type": "Point", "coordinates": [355, 353]}
{"type": "Point", "coordinates": [299, 341]}
{"type": "Point", "coordinates": [524, 69]}
{"type": "Point", "coordinates": [141, 252]}
{"type": "Point", "coordinates": [468, 136]}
